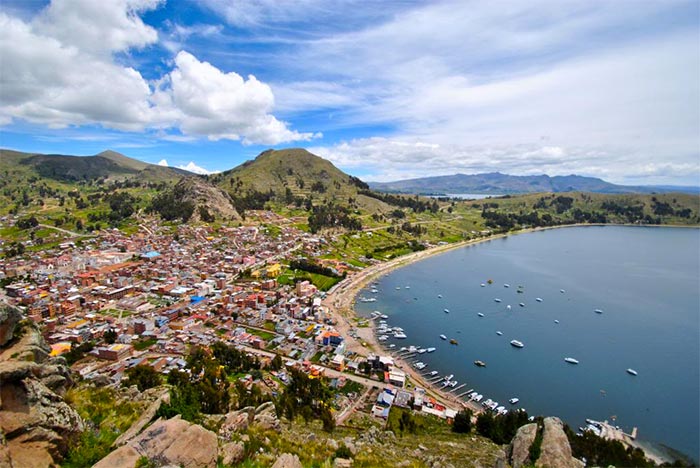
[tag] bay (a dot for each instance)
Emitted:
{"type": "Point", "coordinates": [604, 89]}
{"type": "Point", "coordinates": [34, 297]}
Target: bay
{"type": "Point", "coordinates": [646, 281]}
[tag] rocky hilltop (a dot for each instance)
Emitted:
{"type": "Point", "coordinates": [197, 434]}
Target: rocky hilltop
{"type": "Point", "coordinates": [545, 446]}
{"type": "Point", "coordinates": [36, 424]}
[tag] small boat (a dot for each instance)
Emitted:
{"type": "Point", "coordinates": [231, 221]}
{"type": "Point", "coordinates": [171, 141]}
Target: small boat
{"type": "Point", "coordinates": [452, 384]}
{"type": "Point", "coordinates": [478, 363]}
{"type": "Point", "coordinates": [571, 360]}
{"type": "Point", "coordinates": [497, 300]}
{"type": "Point", "coordinates": [478, 397]}
{"type": "Point", "coordinates": [384, 316]}
{"type": "Point", "coordinates": [480, 314]}
{"type": "Point", "coordinates": [522, 304]}
{"type": "Point", "coordinates": [499, 333]}
{"type": "Point", "coordinates": [508, 307]}
{"type": "Point", "coordinates": [483, 285]}
{"type": "Point", "coordinates": [439, 296]}
{"type": "Point", "coordinates": [391, 346]}
{"type": "Point", "coordinates": [538, 299]}
{"type": "Point", "coordinates": [513, 401]}
{"type": "Point", "coordinates": [398, 288]}
{"type": "Point", "coordinates": [430, 350]}
{"type": "Point", "coordinates": [562, 291]}
{"type": "Point", "coordinates": [556, 321]}
{"type": "Point", "coordinates": [422, 351]}
{"type": "Point", "coordinates": [408, 287]}
{"type": "Point", "coordinates": [399, 335]}
{"type": "Point", "coordinates": [598, 311]}
{"type": "Point", "coordinates": [448, 377]}
{"type": "Point", "coordinates": [433, 373]}
{"type": "Point", "coordinates": [631, 372]}
{"type": "Point", "coordinates": [517, 344]}
{"type": "Point", "coordinates": [506, 285]}
{"type": "Point", "coordinates": [447, 311]}
{"type": "Point", "coordinates": [453, 341]}
{"type": "Point", "coordinates": [443, 337]}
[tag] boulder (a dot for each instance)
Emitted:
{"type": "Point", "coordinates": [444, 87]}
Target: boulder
{"type": "Point", "coordinates": [342, 463]}
{"type": "Point", "coordinates": [173, 441]}
{"type": "Point", "coordinates": [143, 420]}
{"type": "Point", "coordinates": [237, 421]}
{"type": "Point", "coordinates": [266, 417]}
{"type": "Point", "coordinates": [555, 450]}
{"type": "Point", "coordinates": [520, 446]}
{"type": "Point", "coordinates": [232, 453]}
{"type": "Point", "coordinates": [287, 460]}
{"type": "Point", "coordinates": [9, 318]}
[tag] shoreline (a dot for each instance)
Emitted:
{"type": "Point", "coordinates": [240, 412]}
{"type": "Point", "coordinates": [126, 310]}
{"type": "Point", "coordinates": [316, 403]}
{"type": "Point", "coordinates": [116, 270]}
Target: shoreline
{"type": "Point", "coordinates": [340, 300]}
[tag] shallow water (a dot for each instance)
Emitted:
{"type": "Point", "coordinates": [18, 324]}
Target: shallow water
{"type": "Point", "coordinates": [645, 280]}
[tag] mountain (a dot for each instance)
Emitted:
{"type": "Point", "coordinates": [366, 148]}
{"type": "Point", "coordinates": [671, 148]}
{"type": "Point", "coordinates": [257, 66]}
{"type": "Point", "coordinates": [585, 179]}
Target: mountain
{"type": "Point", "coordinates": [66, 168]}
{"type": "Point", "coordinates": [497, 183]}
{"type": "Point", "coordinates": [296, 174]}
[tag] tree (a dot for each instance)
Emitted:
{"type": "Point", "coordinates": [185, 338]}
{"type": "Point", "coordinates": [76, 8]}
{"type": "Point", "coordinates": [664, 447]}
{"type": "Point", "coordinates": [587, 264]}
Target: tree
{"type": "Point", "coordinates": [110, 336]}
{"type": "Point", "coordinates": [144, 377]}
{"type": "Point", "coordinates": [463, 422]}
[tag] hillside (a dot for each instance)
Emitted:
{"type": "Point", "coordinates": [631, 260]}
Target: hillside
{"type": "Point", "coordinates": [108, 165]}
{"type": "Point", "coordinates": [497, 183]}
{"type": "Point", "coordinates": [295, 175]}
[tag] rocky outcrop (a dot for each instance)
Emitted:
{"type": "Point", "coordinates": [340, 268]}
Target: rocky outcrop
{"type": "Point", "coordinates": [37, 424]}
{"type": "Point", "coordinates": [287, 460]}
{"type": "Point", "coordinates": [144, 419]}
{"type": "Point", "coordinates": [232, 453]}
{"type": "Point", "coordinates": [520, 446]}
{"type": "Point", "coordinates": [173, 441]}
{"type": "Point", "coordinates": [205, 196]}
{"type": "Point", "coordinates": [264, 416]}
{"type": "Point", "coordinates": [555, 450]}
{"type": "Point", "coordinates": [9, 318]}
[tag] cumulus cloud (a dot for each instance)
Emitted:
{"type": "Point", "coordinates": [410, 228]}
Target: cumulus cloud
{"type": "Point", "coordinates": [163, 162]}
{"type": "Point", "coordinates": [62, 68]}
{"type": "Point", "coordinates": [209, 102]}
{"type": "Point", "coordinates": [192, 167]}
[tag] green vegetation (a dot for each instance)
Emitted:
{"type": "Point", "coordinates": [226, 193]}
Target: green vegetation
{"type": "Point", "coordinates": [144, 343]}
{"type": "Point", "coordinates": [108, 417]}
{"type": "Point", "coordinates": [500, 428]}
{"type": "Point", "coordinates": [463, 422]}
{"type": "Point", "coordinates": [144, 377]}
{"type": "Point", "coordinates": [603, 452]}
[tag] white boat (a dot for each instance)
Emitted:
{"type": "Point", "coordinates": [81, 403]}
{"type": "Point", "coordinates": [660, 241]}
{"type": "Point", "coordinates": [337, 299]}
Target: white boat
{"type": "Point", "coordinates": [408, 287]}
{"type": "Point", "coordinates": [483, 285]}
{"type": "Point", "coordinates": [422, 351]}
{"type": "Point", "coordinates": [443, 337]}
{"type": "Point", "coordinates": [631, 372]}
{"type": "Point", "coordinates": [522, 304]}
{"type": "Point", "coordinates": [383, 338]}
{"type": "Point", "coordinates": [399, 335]}
{"type": "Point", "coordinates": [538, 299]}
{"type": "Point", "coordinates": [440, 296]}
{"type": "Point", "coordinates": [453, 384]}
{"type": "Point", "coordinates": [556, 321]}
{"type": "Point", "coordinates": [571, 360]}
{"type": "Point", "coordinates": [480, 314]}
{"type": "Point", "coordinates": [433, 373]}
{"type": "Point", "coordinates": [449, 377]}
{"type": "Point", "coordinates": [497, 300]}
{"type": "Point", "coordinates": [392, 346]}
{"type": "Point", "coordinates": [447, 311]}
{"type": "Point", "coordinates": [598, 311]}
{"type": "Point", "coordinates": [487, 402]}
{"type": "Point", "coordinates": [398, 287]}
{"type": "Point", "coordinates": [513, 401]}
{"type": "Point", "coordinates": [508, 307]}
{"type": "Point", "coordinates": [374, 291]}
{"type": "Point", "coordinates": [506, 285]}
{"type": "Point", "coordinates": [499, 333]}
{"type": "Point", "coordinates": [500, 409]}
{"type": "Point", "coordinates": [517, 344]}
{"type": "Point", "coordinates": [479, 397]}
{"type": "Point", "coordinates": [562, 291]}
{"type": "Point", "coordinates": [430, 350]}
{"type": "Point", "coordinates": [384, 316]}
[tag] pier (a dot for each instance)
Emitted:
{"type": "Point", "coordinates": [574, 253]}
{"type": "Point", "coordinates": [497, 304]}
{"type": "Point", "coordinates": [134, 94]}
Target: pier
{"type": "Point", "coordinates": [457, 388]}
{"type": "Point", "coordinates": [465, 393]}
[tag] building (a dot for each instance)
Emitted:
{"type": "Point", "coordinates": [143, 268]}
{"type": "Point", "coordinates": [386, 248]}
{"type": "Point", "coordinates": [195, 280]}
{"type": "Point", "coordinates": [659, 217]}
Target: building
{"type": "Point", "coordinates": [115, 352]}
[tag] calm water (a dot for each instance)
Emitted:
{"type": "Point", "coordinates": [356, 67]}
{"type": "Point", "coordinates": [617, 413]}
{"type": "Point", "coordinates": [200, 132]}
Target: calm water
{"type": "Point", "coordinates": [646, 281]}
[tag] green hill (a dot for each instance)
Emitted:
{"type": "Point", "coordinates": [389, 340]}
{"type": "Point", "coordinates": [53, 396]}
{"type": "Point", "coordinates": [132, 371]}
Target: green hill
{"type": "Point", "coordinates": [65, 168]}
{"type": "Point", "coordinates": [293, 175]}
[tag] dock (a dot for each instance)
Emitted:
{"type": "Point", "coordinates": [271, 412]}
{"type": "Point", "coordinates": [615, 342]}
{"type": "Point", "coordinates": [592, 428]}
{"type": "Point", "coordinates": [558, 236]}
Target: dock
{"type": "Point", "coordinates": [465, 393]}
{"type": "Point", "coordinates": [457, 388]}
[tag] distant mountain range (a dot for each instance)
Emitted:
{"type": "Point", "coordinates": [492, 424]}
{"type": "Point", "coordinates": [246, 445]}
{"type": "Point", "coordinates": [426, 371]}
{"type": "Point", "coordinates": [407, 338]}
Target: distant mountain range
{"type": "Point", "coordinates": [501, 184]}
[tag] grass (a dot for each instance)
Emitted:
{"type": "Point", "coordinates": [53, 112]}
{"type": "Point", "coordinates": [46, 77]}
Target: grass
{"type": "Point", "coordinates": [267, 336]}
{"type": "Point", "coordinates": [144, 344]}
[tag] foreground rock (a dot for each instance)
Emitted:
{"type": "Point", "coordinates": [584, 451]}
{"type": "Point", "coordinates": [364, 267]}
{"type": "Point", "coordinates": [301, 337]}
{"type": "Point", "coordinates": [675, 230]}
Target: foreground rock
{"type": "Point", "coordinates": [555, 449]}
{"type": "Point", "coordinates": [287, 460]}
{"type": "Point", "coordinates": [36, 425]}
{"type": "Point", "coordinates": [170, 442]}
{"type": "Point", "coordinates": [9, 318]}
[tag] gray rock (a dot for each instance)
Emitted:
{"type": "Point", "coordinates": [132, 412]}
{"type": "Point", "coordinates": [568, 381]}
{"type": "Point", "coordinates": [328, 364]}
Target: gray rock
{"type": "Point", "coordinates": [555, 450]}
{"type": "Point", "coordinates": [520, 446]}
{"type": "Point", "coordinates": [232, 453]}
{"type": "Point", "coordinates": [9, 318]}
{"type": "Point", "coordinates": [287, 460]}
{"type": "Point", "coordinates": [143, 420]}
{"type": "Point", "coordinates": [342, 463]}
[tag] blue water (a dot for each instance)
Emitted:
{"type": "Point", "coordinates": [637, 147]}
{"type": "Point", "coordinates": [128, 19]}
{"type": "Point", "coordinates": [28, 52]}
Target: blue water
{"type": "Point", "coordinates": [646, 281]}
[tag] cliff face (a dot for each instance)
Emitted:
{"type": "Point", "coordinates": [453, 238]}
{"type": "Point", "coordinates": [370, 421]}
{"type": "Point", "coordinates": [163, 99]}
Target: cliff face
{"type": "Point", "coordinates": [35, 423]}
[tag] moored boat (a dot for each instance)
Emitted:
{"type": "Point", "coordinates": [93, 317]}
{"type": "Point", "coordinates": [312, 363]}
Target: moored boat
{"type": "Point", "coordinates": [499, 333]}
{"type": "Point", "coordinates": [598, 311]}
{"type": "Point", "coordinates": [453, 341]}
{"type": "Point", "coordinates": [631, 372]}
{"type": "Point", "coordinates": [513, 401]}
{"type": "Point", "coordinates": [497, 300]}
{"type": "Point", "coordinates": [479, 363]}
{"type": "Point", "coordinates": [517, 344]}
{"type": "Point", "coordinates": [571, 360]}
{"type": "Point", "coordinates": [480, 314]}
{"type": "Point", "coordinates": [443, 337]}
{"type": "Point", "coordinates": [430, 350]}
{"type": "Point", "coordinates": [538, 299]}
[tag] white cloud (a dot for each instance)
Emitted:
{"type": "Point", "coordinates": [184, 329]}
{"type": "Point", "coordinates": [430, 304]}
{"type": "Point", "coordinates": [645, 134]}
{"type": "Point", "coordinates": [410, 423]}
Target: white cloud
{"type": "Point", "coordinates": [61, 69]}
{"type": "Point", "coordinates": [388, 159]}
{"type": "Point", "coordinates": [163, 162]}
{"type": "Point", "coordinates": [192, 167]}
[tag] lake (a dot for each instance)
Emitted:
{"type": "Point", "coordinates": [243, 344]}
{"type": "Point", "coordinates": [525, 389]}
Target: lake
{"type": "Point", "coordinates": [646, 282]}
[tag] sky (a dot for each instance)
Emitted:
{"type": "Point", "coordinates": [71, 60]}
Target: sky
{"type": "Point", "coordinates": [385, 90]}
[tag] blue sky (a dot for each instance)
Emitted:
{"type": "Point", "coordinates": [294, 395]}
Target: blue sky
{"type": "Point", "coordinates": [385, 90]}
